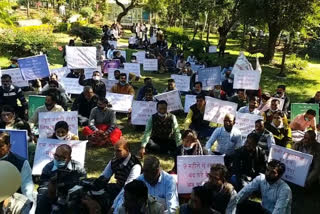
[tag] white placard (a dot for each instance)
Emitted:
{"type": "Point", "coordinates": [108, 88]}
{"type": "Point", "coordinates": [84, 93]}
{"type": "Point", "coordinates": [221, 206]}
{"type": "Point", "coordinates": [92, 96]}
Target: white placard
{"type": "Point", "coordinates": [72, 85]}
{"type": "Point", "coordinates": [216, 110]}
{"type": "Point", "coordinates": [297, 163]}
{"type": "Point", "coordinates": [281, 102]}
{"type": "Point", "coordinates": [88, 72]}
{"type": "Point", "coordinates": [193, 170]}
{"type": "Point", "coordinates": [132, 68]}
{"type": "Point", "coordinates": [189, 101]}
{"type": "Point", "coordinates": [242, 64]}
{"type": "Point", "coordinates": [114, 43]}
{"type": "Point", "coordinates": [247, 80]}
{"type": "Point", "coordinates": [172, 98]}
{"type": "Point", "coordinates": [48, 120]}
{"type": "Point", "coordinates": [297, 135]}
{"type": "Point", "coordinates": [46, 148]}
{"type": "Point", "coordinates": [142, 111]}
{"type": "Point", "coordinates": [209, 77]}
{"type": "Point", "coordinates": [109, 83]}
{"type": "Point", "coordinates": [81, 57]}
{"type": "Point", "coordinates": [212, 49]}
{"type": "Point", "coordinates": [245, 122]}
{"type": "Point", "coordinates": [153, 40]}
{"type": "Point", "coordinates": [132, 40]}
{"type": "Point", "coordinates": [120, 102]}
{"type": "Point", "coordinates": [182, 82]}
{"type": "Point", "coordinates": [60, 72]}
{"type": "Point", "coordinates": [150, 64]}
{"type": "Point", "coordinates": [140, 55]}
{"type": "Point", "coordinates": [16, 77]}
{"type": "Point", "coordinates": [111, 73]}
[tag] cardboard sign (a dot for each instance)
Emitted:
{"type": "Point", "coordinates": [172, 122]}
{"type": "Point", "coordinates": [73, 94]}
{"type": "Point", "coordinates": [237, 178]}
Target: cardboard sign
{"type": "Point", "coordinates": [247, 80]}
{"type": "Point", "coordinates": [182, 82]}
{"type": "Point", "coordinates": [114, 43]}
{"type": "Point", "coordinates": [88, 72]}
{"type": "Point", "coordinates": [113, 63]}
{"type": "Point", "coordinates": [46, 148]}
{"type": "Point", "coordinates": [109, 83]}
{"type": "Point", "coordinates": [142, 111]}
{"type": "Point", "coordinates": [301, 108]}
{"type": "Point", "coordinates": [193, 170]}
{"type": "Point", "coordinates": [35, 101]}
{"type": "Point", "coordinates": [48, 120]}
{"type": "Point", "coordinates": [34, 67]}
{"type": "Point", "coordinates": [16, 77]}
{"type": "Point", "coordinates": [189, 101]}
{"type": "Point", "coordinates": [212, 49]}
{"type": "Point", "coordinates": [172, 98]}
{"type": "Point", "coordinates": [209, 77]}
{"type": "Point", "coordinates": [81, 57]}
{"type": "Point", "coordinates": [297, 163]}
{"type": "Point", "coordinates": [132, 68]}
{"type": "Point", "coordinates": [72, 85]}
{"type": "Point", "coordinates": [150, 64]}
{"type": "Point", "coordinates": [242, 64]}
{"type": "Point", "coordinates": [216, 110]}
{"type": "Point", "coordinates": [297, 135]}
{"type": "Point", "coordinates": [140, 55]}
{"type": "Point", "coordinates": [61, 72]}
{"type": "Point", "coordinates": [120, 102]}
{"type": "Point", "coordinates": [18, 141]}
{"type": "Point", "coordinates": [245, 122]}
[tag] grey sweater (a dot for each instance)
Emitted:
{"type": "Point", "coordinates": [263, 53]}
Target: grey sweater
{"type": "Point", "coordinates": [98, 116]}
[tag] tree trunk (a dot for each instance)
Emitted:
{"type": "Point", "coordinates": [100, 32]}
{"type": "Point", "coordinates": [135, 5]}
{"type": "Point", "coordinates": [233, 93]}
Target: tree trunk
{"type": "Point", "coordinates": [28, 8]}
{"type": "Point", "coordinates": [271, 48]}
{"type": "Point", "coordinates": [204, 24]}
{"type": "Point", "coordinates": [121, 15]}
{"type": "Point", "coordinates": [208, 30]}
{"type": "Point", "coordinates": [195, 30]}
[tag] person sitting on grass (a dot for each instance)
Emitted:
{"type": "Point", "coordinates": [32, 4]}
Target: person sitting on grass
{"type": "Point", "coordinates": [99, 88]}
{"type": "Point", "coordinates": [304, 121]}
{"type": "Point", "coordinates": [274, 107]}
{"type": "Point", "coordinates": [147, 84]}
{"type": "Point", "coordinates": [61, 132]}
{"type": "Point", "coordinates": [122, 87]}
{"type": "Point", "coordinates": [252, 107]}
{"type": "Point", "coordinates": [171, 85]}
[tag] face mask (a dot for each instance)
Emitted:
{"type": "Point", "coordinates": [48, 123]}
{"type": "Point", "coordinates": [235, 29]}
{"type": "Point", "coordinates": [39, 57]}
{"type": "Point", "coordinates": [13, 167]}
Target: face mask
{"type": "Point", "coordinates": [230, 81]}
{"type": "Point", "coordinates": [306, 119]}
{"type": "Point", "coordinates": [123, 83]}
{"type": "Point", "coordinates": [187, 148]}
{"type": "Point", "coordinates": [14, 66]}
{"type": "Point", "coordinates": [133, 61]}
{"type": "Point", "coordinates": [97, 78]}
{"type": "Point", "coordinates": [59, 164]}
{"type": "Point", "coordinates": [161, 115]}
{"type": "Point", "coordinates": [61, 138]}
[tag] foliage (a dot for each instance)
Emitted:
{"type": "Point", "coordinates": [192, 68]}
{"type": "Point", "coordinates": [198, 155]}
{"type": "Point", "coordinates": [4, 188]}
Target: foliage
{"type": "Point", "coordinates": [85, 33]}
{"type": "Point", "coordinates": [62, 27]}
{"type": "Point", "coordinates": [313, 48]}
{"type": "Point", "coordinates": [49, 18]}
{"type": "Point", "coordinates": [295, 62]}
{"type": "Point", "coordinates": [198, 47]}
{"type": "Point", "coordinates": [87, 12]}
{"type": "Point", "coordinates": [26, 41]}
{"type": "Point", "coordinates": [5, 17]}
{"type": "Point", "coordinates": [176, 35]}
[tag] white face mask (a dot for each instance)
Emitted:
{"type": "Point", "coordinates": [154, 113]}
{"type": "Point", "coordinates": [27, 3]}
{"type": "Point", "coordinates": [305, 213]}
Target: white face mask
{"type": "Point", "coordinates": [161, 115]}
{"type": "Point", "coordinates": [230, 81]}
{"type": "Point", "coordinates": [187, 148]}
{"type": "Point", "coordinates": [62, 138]}
{"type": "Point", "coordinates": [96, 77]}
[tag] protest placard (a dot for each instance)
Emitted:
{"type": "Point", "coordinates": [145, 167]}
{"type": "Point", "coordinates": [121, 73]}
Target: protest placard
{"type": "Point", "coordinates": [189, 101]}
{"type": "Point", "coordinates": [245, 122]}
{"type": "Point", "coordinates": [132, 40]}
{"type": "Point", "coordinates": [193, 170]}
{"type": "Point", "coordinates": [81, 57]}
{"type": "Point", "coordinates": [18, 141]}
{"type": "Point", "coordinates": [150, 64]}
{"type": "Point", "coordinates": [301, 108]}
{"type": "Point", "coordinates": [16, 77]}
{"type": "Point", "coordinates": [247, 80]}
{"type": "Point", "coordinates": [280, 100]}
{"type": "Point", "coordinates": [297, 135]}
{"type": "Point", "coordinates": [114, 43]}
{"type": "Point", "coordinates": [88, 72]}
{"type": "Point", "coordinates": [120, 102]}
{"type": "Point", "coordinates": [34, 67]}
{"type": "Point", "coordinates": [46, 148]}
{"type": "Point", "coordinates": [297, 163]}
{"type": "Point", "coordinates": [182, 82]}
{"type": "Point", "coordinates": [35, 101]}
{"type": "Point", "coordinates": [196, 67]}
{"type": "Point", "coordinates": [109, 83]}
{"type": "Point", "coordinates": [216, 109]}
{"type": "Point", "coordinates": [60, 72]}
{"type": "Point", "coordinates": [140, 55]}
{"type": "Point", "coordinates": [111, 73]}
{"type": "Point", "coordinates": [212, 49]}
{"type": "Point", "coordinates": [142, 111]}
{"type": "Point", "coordinates": [172, 98]}
{"type": "Point", "coordinates": [72, 85]}
{"type": "Point", "coordinates": [113, 63]}
{"type": "Point", "coordinates": [48, 120]}
{"type": "Point", "coordinates": [132, 68]}
{"type": "Point", "coordinates": [242, 64]}
{"type": "Point", "coordinates": [153, 39]}
{"type": "Point", "coordinates": [209, 77]}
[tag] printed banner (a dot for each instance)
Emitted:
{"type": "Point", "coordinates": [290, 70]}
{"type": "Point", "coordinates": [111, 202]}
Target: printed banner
{"type": "Point", "coordinates": [107, 64]}
{"type": "Point", "coordinates": [18, 141]}
{"type": "Point", "coordinates": [35, 101]}
{"type": "Point", "coordinates": [301, 108]}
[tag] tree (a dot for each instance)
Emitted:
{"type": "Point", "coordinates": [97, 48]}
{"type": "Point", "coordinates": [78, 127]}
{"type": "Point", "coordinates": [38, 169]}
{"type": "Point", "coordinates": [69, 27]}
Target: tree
{"type": "Point", "coordinates": [5, 17]}
{"type": "Point", "coordinates": [125, 10]}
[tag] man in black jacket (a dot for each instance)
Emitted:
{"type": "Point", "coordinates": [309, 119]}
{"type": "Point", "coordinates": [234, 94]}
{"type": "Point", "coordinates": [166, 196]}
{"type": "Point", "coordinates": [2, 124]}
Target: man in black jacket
{"type": "Point", "coordinates": [99, 88]}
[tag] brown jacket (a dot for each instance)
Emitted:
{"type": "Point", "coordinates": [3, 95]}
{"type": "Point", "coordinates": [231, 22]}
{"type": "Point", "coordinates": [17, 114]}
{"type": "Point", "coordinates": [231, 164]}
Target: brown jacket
{"type": "Point", "coordinates": [119, 89]}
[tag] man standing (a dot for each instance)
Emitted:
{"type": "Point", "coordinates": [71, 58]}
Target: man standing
{"type": "Point", "coordinates": [122, 87]}
{"type": "Point", "coordinates": [99, 88]}
{"type": "Point", "coordinates": [162, 134]}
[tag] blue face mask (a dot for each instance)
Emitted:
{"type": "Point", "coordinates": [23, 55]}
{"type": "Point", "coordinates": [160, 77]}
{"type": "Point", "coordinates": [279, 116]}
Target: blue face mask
{"type": "Point", "coordinates": [59, 164]}
{"type": "Point", "coordinates": [123, 83]}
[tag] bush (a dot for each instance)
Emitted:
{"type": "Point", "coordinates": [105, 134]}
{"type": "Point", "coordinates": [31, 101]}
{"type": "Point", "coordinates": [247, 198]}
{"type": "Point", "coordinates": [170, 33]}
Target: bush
{"type": "Point", "coordinates": [49, 18]}
{"type": "Point", "coordinates": [87, 12]}
{"type": "Point", "coordinates": [198, 47]}
{"type": "Point", "coordinates": [86, 34]}
{"type": "Point", "coordinates": [313, 48]}
{"type": "Point", "coordinates": [176, 35]}
{"type": "Point", "coordinates": [26, 41]}
{"type": "Point", "coordinates": [61, 27]}
{"type": "Point", "coordinates": [295, 62]}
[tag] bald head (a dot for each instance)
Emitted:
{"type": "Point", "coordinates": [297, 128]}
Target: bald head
{"type": "Point", "coordinates": [63, 153]}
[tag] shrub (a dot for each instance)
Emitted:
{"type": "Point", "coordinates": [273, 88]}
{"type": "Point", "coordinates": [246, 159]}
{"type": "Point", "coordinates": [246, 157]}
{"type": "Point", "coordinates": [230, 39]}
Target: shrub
{"type": "Point", "coordinates": [87, 12]}
{"type": "Point", "coordinates": [176, 35]}
{"type": "Point", "coordinates": [49, 18]}
{"type": "Point", "coordinates": [295, 62]}
{"type": "Point", "coordinates": [61, 27]}
{"type": "Point", "coordinates": [197, 46]}
{"type": "Point", "coordinates": [85, 33]}
{"type": "Point", "coordinates": [313, 48]}
{"type": "Point", "coordinates": [26, 41]}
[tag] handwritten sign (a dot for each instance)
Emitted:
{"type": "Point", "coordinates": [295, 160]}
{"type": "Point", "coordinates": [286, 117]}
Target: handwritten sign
{"type": "Point", "coordinates": [193, 170]}
{"type": "Point", "coordinates": [132, 68]}
{"type": "Point", "coordinates": [297, 163]}
{"type": "Point", "coordinates": [34, 67]}
{"type": "Point", "coordinates": [60, 72]}
{"type": "Point", "coordinates": [81, 57]}
{"type": "Point", "coordinates": [245, 122]}
{"type": "Point", "coordinates": [209, 77]}
{"type": "Point", "coordinates": [16, 77]}
{"type": "Point", "coordinates": [182, 82]}
{"type": "Point", "coordinates": [242, 64]}
{"type": "Point", "coordinates": [216, 109]}
{"type": "Point", "coordinates": [189, 101]}
{"type": "Point", "coordinates": [72, 85]}
{"type": "Point", "coordinates": [120, 102]}
{"type": "Point", "coordinates": [18, 141]}
{"type": "Point", "coordinates": [172, 98]}
{"type": "Point", "coordinates": [142, 111]}
{"type": "Point", "coordinates": [113, 63]}
{"type": "Point", "coordinates": [114, 43]}
{"type": "Point", "coordinates": [212, 49]}
{"type": "Point", "coordinates": [246, 80]}
{"type": "Point", "coordinates": [150, 64]}
{"type": "Point", "coordinates": [109, 83]}
{"type": "Point", "coordinates": [35, 101]}
{"type": "Point", "coordinates": [140, 55]}
{"type": "Point", "coordinates": [48, 120]}
{"type": "Point", "coordinates": [46, 148]}
{"type": "Point", "coordinates": [301, 108]}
